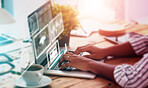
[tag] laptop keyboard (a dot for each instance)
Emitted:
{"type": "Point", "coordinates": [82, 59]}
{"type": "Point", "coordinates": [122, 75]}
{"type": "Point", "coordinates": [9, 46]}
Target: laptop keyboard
{"type": "Point", "coordinates": [64, 69]}
{"type": "Point", "coordinates": [69, 68]}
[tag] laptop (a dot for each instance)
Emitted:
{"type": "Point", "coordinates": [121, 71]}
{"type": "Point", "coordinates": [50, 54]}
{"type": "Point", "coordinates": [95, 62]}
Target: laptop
{"type": "Point", "coordinates": [44, 31]}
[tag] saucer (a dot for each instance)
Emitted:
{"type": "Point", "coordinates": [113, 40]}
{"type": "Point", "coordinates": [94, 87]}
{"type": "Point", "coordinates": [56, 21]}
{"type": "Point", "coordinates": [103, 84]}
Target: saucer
{"type": "Point", "coordinates": [44, 82]}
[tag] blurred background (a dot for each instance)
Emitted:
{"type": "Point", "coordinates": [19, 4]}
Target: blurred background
{"type": "Point", "coordinates": [129, 10]}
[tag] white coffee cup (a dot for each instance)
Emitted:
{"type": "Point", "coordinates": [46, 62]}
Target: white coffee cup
{"type": "Point", "coordinates": [33, 74]}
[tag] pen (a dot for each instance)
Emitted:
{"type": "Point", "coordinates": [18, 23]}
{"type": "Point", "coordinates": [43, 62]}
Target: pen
{"type": "Point", "coordinates": [83, 29]}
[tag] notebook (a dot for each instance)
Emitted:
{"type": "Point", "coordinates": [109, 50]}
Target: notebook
{"type": "Point", "coordinates": [44, 31]}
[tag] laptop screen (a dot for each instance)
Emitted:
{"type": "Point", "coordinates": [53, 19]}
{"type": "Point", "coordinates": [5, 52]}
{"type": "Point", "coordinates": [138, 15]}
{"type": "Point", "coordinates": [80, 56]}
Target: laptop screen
{"type": "Point", "coordinates": [56, 26]}
{"type": "Point", "coordinates": [44, 31]}
{"type": "Point", "coordinates": [40, 18]}
{"type": "Point", "coordinates": [39, 32]}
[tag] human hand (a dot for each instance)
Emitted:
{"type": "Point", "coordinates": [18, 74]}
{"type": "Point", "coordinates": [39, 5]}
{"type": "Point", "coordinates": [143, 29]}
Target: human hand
{"type": "Point", "coordinates": [95, 52]}
{"type": "Point", "coordinates": [78, 62]}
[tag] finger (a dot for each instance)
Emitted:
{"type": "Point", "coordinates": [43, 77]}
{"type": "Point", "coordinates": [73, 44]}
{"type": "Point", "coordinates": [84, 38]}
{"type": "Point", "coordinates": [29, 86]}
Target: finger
{"type": "Point", "coordinates": [82, 49]}
{"type": "Point", "coordinates": [92, 56]}
{"type": "Point", "coordinates": [65, 65]}
{"type": "Point", "coordinates": [65, 57]}
{"type": "Point", "coordinates": [79, 49]}
{"type": "Point", "coordinates": [62, 59]}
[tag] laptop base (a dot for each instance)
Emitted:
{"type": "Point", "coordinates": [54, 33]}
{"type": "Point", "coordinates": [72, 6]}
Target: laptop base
{"type": "Point", "coordinates": [78, 74]}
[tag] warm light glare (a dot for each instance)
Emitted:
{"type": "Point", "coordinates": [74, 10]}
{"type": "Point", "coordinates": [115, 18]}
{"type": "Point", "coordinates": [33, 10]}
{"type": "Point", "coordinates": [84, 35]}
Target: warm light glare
{"type": "Point", "coordinates": [95, 9]}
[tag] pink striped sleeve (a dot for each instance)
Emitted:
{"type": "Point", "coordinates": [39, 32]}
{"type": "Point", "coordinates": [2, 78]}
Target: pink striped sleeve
{"type": "Point", "coordinates": [140, 44]}
{"type": "Point", "coordinates": [135, 76]}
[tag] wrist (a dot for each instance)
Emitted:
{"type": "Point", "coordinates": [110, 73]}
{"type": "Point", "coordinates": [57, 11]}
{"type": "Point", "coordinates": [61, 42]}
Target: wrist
{"type": "Point", "coordinates": [107, 51]}
{"type": "Point", "coordinates": [102, 69]}
{"type": "Point", "coordinates": [93, 66]}
{"type": "Point", "coordinates": [90, 67]}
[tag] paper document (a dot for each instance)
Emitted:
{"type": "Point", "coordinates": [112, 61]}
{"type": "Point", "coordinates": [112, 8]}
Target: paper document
{"type": "Point", "coordinates": [87, 26]}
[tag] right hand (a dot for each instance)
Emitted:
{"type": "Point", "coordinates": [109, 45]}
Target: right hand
{"type": "Point", "coordinates": [78, 62]}
{"type": "Point", "coordinates": [95, 52]}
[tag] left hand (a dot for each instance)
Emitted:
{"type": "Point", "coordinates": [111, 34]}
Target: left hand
{"type": "Point", "coordinates": [95, 52]}
{"type": "Point", "coordinates": [78, 62]}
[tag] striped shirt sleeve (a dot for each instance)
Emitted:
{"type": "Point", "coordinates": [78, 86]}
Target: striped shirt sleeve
{"type": "Point", "coordinates": [135, 76]}
{"type": "Point", "coordinates": [140, 44]}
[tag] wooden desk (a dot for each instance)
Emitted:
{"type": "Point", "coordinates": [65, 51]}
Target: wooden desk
{"type": "Point", "coordinates": [98, 82]}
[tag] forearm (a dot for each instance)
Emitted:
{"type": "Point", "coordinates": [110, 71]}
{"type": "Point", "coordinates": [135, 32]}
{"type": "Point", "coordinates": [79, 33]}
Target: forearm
{"type": "Point", "coordinates": [102, 69]}
{"type": "Point", "coordinates": [124, 49]}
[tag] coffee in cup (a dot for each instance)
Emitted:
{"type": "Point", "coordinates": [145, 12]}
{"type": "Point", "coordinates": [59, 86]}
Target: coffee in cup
{"type": "Point", "coordinates": [33, 74]}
